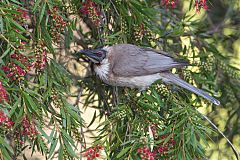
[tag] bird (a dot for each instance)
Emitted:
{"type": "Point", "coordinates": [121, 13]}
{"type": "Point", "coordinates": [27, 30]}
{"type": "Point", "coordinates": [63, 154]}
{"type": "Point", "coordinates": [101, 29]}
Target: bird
{"type": "Point", "coordinates": [128, 65]}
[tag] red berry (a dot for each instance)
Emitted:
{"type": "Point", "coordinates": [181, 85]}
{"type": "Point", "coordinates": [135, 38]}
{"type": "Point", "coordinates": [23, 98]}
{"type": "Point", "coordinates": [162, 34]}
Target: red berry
{"type": "Point", "coordinates": [97, 155]}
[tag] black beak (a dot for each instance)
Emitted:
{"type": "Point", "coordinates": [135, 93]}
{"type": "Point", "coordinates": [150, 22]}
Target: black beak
{"type": "Point", "coordinates": [91, 55]}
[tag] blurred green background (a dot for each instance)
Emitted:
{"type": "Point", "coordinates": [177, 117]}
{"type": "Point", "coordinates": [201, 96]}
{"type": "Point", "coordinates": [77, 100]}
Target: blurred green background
{"type": "Point", "coordinates": [223, 20]}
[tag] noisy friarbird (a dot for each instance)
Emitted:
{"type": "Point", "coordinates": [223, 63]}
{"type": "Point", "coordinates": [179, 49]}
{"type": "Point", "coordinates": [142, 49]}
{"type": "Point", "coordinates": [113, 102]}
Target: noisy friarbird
{"type": "Point", "coordinates": [127, 65]}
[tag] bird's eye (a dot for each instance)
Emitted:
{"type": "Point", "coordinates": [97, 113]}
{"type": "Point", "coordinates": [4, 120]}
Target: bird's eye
{"type": "Point", "coordinates": [99, 54]}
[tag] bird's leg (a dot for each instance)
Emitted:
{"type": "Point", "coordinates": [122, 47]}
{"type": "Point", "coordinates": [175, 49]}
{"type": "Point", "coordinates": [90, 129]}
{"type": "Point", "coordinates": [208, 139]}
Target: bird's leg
{"type": "Point", "coordinates": [115, 96]}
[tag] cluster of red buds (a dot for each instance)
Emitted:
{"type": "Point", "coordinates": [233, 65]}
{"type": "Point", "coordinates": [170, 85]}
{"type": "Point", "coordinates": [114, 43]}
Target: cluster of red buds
{"type": "Point", "coordinates": [41, 60]}
{"type": "Point", "coordinates": [146, 154]}
{"type": "Point", "coordinates": [161, 150]}
{"type": "Point", "coordinates": [40, 57]}
{"type": "Point", "coordinates": [24, 60]}
{"type": "Point", "coordinates": [172, 3]}
{"type": "Point", "coordinates": [17, 71]}
{"type": "Point", "coordinates": [20, 64]}
{"type": "Point", "coordinates": [5, 120]}
{"type": "Point", "coordinates": [164, 147]}
{"type": "Point", "coordinates": [29, 129]}
{"type": "Point", "coordinates": [90, 9]}
{"type": "Point", "coordinates": [23, 14]}
{"type": "Point", "coordinates": [199, 4]}
{"type": "Point", "coordinates": [93, 152]}
{"type": "Point", "coordinates": [140, 31]}
{"type": "Point", "coordinates": [58, 24]}
{"type": "Point", "coordinates": [22, 17]}
{"type": "Point", "coordinates": [57, 101]}
{"type": "Point", "coordinates": [13, 71]}
{"type": "Point", "coordinates": [3, 93]}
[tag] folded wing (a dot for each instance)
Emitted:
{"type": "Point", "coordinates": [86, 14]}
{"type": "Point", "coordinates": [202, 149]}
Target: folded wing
{"type": "Point", "coordinates": [130, 60]}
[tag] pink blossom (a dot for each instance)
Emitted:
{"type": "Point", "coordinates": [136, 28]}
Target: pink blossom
{"type": "Point", "coordinates": [3, 94]}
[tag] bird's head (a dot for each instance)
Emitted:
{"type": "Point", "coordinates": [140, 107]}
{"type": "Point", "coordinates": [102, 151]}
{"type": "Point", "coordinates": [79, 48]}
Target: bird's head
{"type": "Point", "coordinates": [94, 55]}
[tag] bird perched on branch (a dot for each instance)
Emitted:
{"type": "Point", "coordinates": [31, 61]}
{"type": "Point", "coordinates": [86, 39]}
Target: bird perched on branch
{"type": "Point", "coordinates": [128, 65]}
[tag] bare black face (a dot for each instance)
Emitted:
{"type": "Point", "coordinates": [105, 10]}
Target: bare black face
{"type": "Point", "coordinates": [95, 55]}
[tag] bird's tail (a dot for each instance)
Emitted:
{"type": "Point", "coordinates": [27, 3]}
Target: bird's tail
{"type": "Point", "coordinates": [169, 77]}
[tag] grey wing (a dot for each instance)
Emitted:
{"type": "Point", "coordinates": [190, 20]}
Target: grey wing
{"type": "Point", "coordinates": [131, 60]}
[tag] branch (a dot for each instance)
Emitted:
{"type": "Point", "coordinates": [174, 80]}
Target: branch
{"type": "Point", "coordinates": [237, 153]}
{"type": "Point", "coordinates": [80, 90]}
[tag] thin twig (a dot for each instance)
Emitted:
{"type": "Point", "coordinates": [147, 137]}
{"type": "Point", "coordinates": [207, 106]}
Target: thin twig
{"type": "Point", "coordinates": [104, 18]}
{"type": "Point", "coordinates": [229, 142]}
{"type": "Point", "coordinates": [125, 137]}
{"type": "Point", "coordinates": [115, 96]}
{"type": "Point", "coordinates": [79, 96]}
{"type": "Point", "coordinates": [115, 8]}
{"type": "Point", "coordinates": [1, 35]}
{"type": "Point", "coordinates": [80, 90]}
{"type": "Point", "coordinates": [184, 154]}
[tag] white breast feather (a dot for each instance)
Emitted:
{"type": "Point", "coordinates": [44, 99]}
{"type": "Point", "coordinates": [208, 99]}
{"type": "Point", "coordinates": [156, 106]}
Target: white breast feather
{"type": "Point", "coordinates": [102, 69]}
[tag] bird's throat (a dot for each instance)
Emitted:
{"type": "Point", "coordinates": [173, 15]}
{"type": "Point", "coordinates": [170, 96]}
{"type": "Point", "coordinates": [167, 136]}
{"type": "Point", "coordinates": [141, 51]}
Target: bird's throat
{"type": "Point", "coordinates": [102, 69]}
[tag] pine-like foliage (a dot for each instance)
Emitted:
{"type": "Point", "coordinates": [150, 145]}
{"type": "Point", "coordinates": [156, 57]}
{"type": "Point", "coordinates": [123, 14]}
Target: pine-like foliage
{"type": "Point", "coordinates": [39, 37]}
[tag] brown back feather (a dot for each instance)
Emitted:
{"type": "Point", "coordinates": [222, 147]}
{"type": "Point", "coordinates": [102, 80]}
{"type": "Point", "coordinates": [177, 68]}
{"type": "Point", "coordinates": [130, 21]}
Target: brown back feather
{"type": "Point", "coordinates": [131, 60]}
